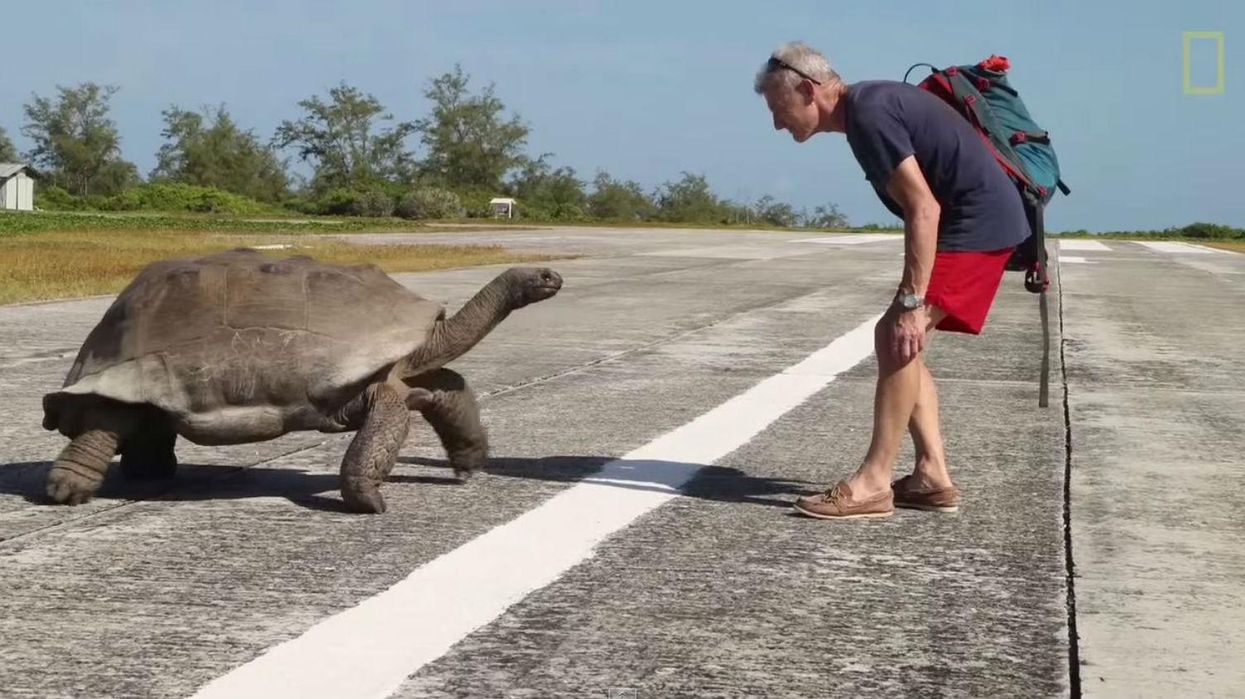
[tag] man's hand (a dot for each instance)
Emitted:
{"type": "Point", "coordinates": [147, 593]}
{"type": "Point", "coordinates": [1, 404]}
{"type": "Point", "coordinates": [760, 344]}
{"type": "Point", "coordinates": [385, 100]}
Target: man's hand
{"type": "Point", "coordinates": [907, 334]}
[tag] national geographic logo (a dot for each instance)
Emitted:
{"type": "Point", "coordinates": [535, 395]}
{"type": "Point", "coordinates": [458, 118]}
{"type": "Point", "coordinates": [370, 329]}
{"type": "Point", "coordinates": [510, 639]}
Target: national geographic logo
{"type": "Point", "coordinates": [1189, 87]}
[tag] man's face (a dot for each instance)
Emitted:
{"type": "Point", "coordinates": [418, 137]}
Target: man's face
{"type": "Point", "coordinates": [793, 109]}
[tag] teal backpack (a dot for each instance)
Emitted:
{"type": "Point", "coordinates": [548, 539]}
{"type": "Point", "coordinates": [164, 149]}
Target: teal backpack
{"type": "Point", "coordinates": [982, 94]}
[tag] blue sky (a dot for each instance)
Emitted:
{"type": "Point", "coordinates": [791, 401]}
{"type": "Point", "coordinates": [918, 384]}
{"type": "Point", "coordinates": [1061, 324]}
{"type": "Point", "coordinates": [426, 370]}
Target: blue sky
{"type": "Point", "coordinates": [647, 89]}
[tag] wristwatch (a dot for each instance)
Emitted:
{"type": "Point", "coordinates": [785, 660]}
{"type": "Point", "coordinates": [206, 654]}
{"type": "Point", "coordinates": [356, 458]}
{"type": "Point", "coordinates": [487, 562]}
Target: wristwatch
{"type": "Point", "coordinates": [909, 302]}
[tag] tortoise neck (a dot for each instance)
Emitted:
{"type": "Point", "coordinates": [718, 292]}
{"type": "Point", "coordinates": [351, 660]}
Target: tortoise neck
{"type": "Point", "coordinates": [454, 336]}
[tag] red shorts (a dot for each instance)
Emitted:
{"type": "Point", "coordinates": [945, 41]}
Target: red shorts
{"type": "Point", "coordinates": [963, 284]}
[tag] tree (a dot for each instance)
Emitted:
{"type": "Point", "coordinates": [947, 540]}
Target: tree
{"type": "Point", "coordinates": [689, 200]}
{"type": "Point", "coordinates": [776, 213]}
{"type": "Point", "coordinates": [827, 216]}
{"type": "Point", "coordinates": [208, 149]}
{"type": "Point", "coordinates": [344, 140]}
{"type": "Point", "coordinates": [619, 201]}
{"type": "Point", "coordinates": [547, 192]}
{"type": "Point", "coordinates": [76, 143]}
{"type": "Point", "coordinates": [8, 153]}
{"type": "Point", "coordinates": [469, 145]}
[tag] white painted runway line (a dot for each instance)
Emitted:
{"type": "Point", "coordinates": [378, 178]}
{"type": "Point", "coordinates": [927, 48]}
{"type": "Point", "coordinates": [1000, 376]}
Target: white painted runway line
{"type": "Point", "coordinates": [368, 650]}
{"type": "Point", "coordinates": [1076, 260]}
{"type": "Point", "coordinates": [729, 252]}
{"type": "Point", "coordinates": [859, 239]}
{"type": "Point", "coordinates": [1177, 248]}
{"type": "Point", "coordinates": [1083, 246]}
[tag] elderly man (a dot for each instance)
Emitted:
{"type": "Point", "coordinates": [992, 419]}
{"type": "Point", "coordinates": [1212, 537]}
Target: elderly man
{"type": "Point", "coordinates": [962, 219]}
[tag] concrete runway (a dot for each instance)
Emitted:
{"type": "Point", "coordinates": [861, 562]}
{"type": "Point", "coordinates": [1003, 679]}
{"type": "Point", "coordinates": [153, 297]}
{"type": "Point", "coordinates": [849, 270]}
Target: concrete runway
{"type": "Point", "coordinates": [633, 536]}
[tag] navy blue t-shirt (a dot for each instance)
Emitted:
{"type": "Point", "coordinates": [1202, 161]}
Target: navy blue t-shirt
{"type": "Point", "coordinates": [889, 120]}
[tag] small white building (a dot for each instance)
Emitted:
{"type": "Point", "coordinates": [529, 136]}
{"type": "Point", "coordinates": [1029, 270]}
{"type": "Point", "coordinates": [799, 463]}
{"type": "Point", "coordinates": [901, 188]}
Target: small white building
{"type": "Point", "coordinates": [17, 188]}
{"type": "Point", "coordinates": [503, 207]}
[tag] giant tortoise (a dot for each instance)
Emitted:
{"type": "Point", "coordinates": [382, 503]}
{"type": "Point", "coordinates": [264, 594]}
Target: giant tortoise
{"type": "Point", "coordinates": [237, 347]}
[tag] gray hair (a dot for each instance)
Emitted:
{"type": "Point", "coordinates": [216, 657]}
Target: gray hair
{"type": "Point", "coordinates": [800, 56]}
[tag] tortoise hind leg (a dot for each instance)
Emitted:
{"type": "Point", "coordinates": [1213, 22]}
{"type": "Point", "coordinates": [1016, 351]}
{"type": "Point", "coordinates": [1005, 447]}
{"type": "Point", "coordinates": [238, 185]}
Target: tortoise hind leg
{"type": "Point", "coordinates": [455, 416]}
{"type": "Point", "coordinates": [80, 468]}
{"type": "Point", "coordinates": [374, 449]}
{"type": "Point", "coordinates": [150, 452]}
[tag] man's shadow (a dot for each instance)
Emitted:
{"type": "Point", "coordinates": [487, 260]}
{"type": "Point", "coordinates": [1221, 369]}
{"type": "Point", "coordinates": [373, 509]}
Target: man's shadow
{"type": "Point", "coordinates": [320, 490]}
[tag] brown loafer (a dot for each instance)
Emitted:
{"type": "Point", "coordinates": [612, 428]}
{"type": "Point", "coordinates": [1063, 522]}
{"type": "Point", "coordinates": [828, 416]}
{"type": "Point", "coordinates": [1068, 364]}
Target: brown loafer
{"type": "Point", "coordinates": [931, 499]}
{"type": "Point", "coordinates": [837, 503]}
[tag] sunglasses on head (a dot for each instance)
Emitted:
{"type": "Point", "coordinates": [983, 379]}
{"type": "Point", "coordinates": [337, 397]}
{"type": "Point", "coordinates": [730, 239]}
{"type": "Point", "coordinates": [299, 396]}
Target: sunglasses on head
{"type": "Point", "coordinates": [775, 62]}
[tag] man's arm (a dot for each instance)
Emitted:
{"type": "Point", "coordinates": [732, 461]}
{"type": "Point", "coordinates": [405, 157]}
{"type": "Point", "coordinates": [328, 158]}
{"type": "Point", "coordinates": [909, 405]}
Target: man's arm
{"type": "Point", "coordinates": [907, 186]}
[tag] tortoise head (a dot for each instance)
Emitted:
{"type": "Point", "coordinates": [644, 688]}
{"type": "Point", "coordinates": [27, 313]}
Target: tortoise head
{"type": "Point", "coordinates": [527, 285]}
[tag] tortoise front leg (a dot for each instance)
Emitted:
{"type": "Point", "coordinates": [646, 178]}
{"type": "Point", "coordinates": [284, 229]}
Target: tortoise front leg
{"type": "Point", "coordinates": [374, 450]}
{"type": "Point", "coordinates": [80, 468]}
{"type": "Point", "coordinates": [455, 416]}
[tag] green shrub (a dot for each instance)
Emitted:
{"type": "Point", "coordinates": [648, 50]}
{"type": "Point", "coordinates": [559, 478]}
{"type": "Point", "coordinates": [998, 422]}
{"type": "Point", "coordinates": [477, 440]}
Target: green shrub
{"type": "Point", "coordinates": [177, 197]}
{"type": "Point", "coordinates": [334, 202]}
{"type": "Point", "coordinates": [548, 211]}
{"type": "Point", "coordinates": [372, 202]}
{"type": "Point", "coordinates": [376, 203]}
{"type": "Point", "coordinates": [161, 197]}
{"type": "Point", "coordinates": [53, 198]}
{"type": "Point", "coordinates": [430, 202]}
{"type": "Point", "coordinates": [475, 202]}
{"type": "Point", "coordinates": [300, 205]}
{"type": "Point", "coordinates": [1211, 230]}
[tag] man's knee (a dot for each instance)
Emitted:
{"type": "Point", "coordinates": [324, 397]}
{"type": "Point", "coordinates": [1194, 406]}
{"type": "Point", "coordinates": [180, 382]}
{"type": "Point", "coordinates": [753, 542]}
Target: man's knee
{"type": "Point", "coordinates": [883, 334]}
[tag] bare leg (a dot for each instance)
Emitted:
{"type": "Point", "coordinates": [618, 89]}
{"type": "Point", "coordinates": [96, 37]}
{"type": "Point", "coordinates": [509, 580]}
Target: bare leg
{"type": "Point", "coordinates": [931, 461]}
{"type": "Point", "coordinates": [374, 450]}
{"type": "Point", "coordinates": [895, 400]}
{"type": "Point", "coordinates": [455, 416]}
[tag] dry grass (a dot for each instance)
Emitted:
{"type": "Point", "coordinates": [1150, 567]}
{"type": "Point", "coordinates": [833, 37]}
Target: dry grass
{"type": "Point", "coordinates": [1233, 245]}
{"type": "Point", "coordinates": [72, 264]}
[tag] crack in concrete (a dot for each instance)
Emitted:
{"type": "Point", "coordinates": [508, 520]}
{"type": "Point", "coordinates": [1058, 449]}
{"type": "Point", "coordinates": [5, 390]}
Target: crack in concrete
{"type": "Point", "coordinates": [1074, 654]}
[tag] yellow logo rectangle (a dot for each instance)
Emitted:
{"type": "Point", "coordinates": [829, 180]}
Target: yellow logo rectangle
{"type": "Point", "coordinates": [1189, 87]}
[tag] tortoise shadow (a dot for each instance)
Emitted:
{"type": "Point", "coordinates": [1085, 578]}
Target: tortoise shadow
{"type": "Point", "coordinates": [704, 482]}
{"type": "Point", "coordinates": [199, 482]}
{"type": "Point", "coordinates": [320, 490]}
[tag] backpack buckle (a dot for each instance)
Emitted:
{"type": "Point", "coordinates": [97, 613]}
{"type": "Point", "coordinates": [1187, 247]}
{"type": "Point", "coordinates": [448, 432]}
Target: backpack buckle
{"type": "Point", "coordinates": [1035, 280]}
